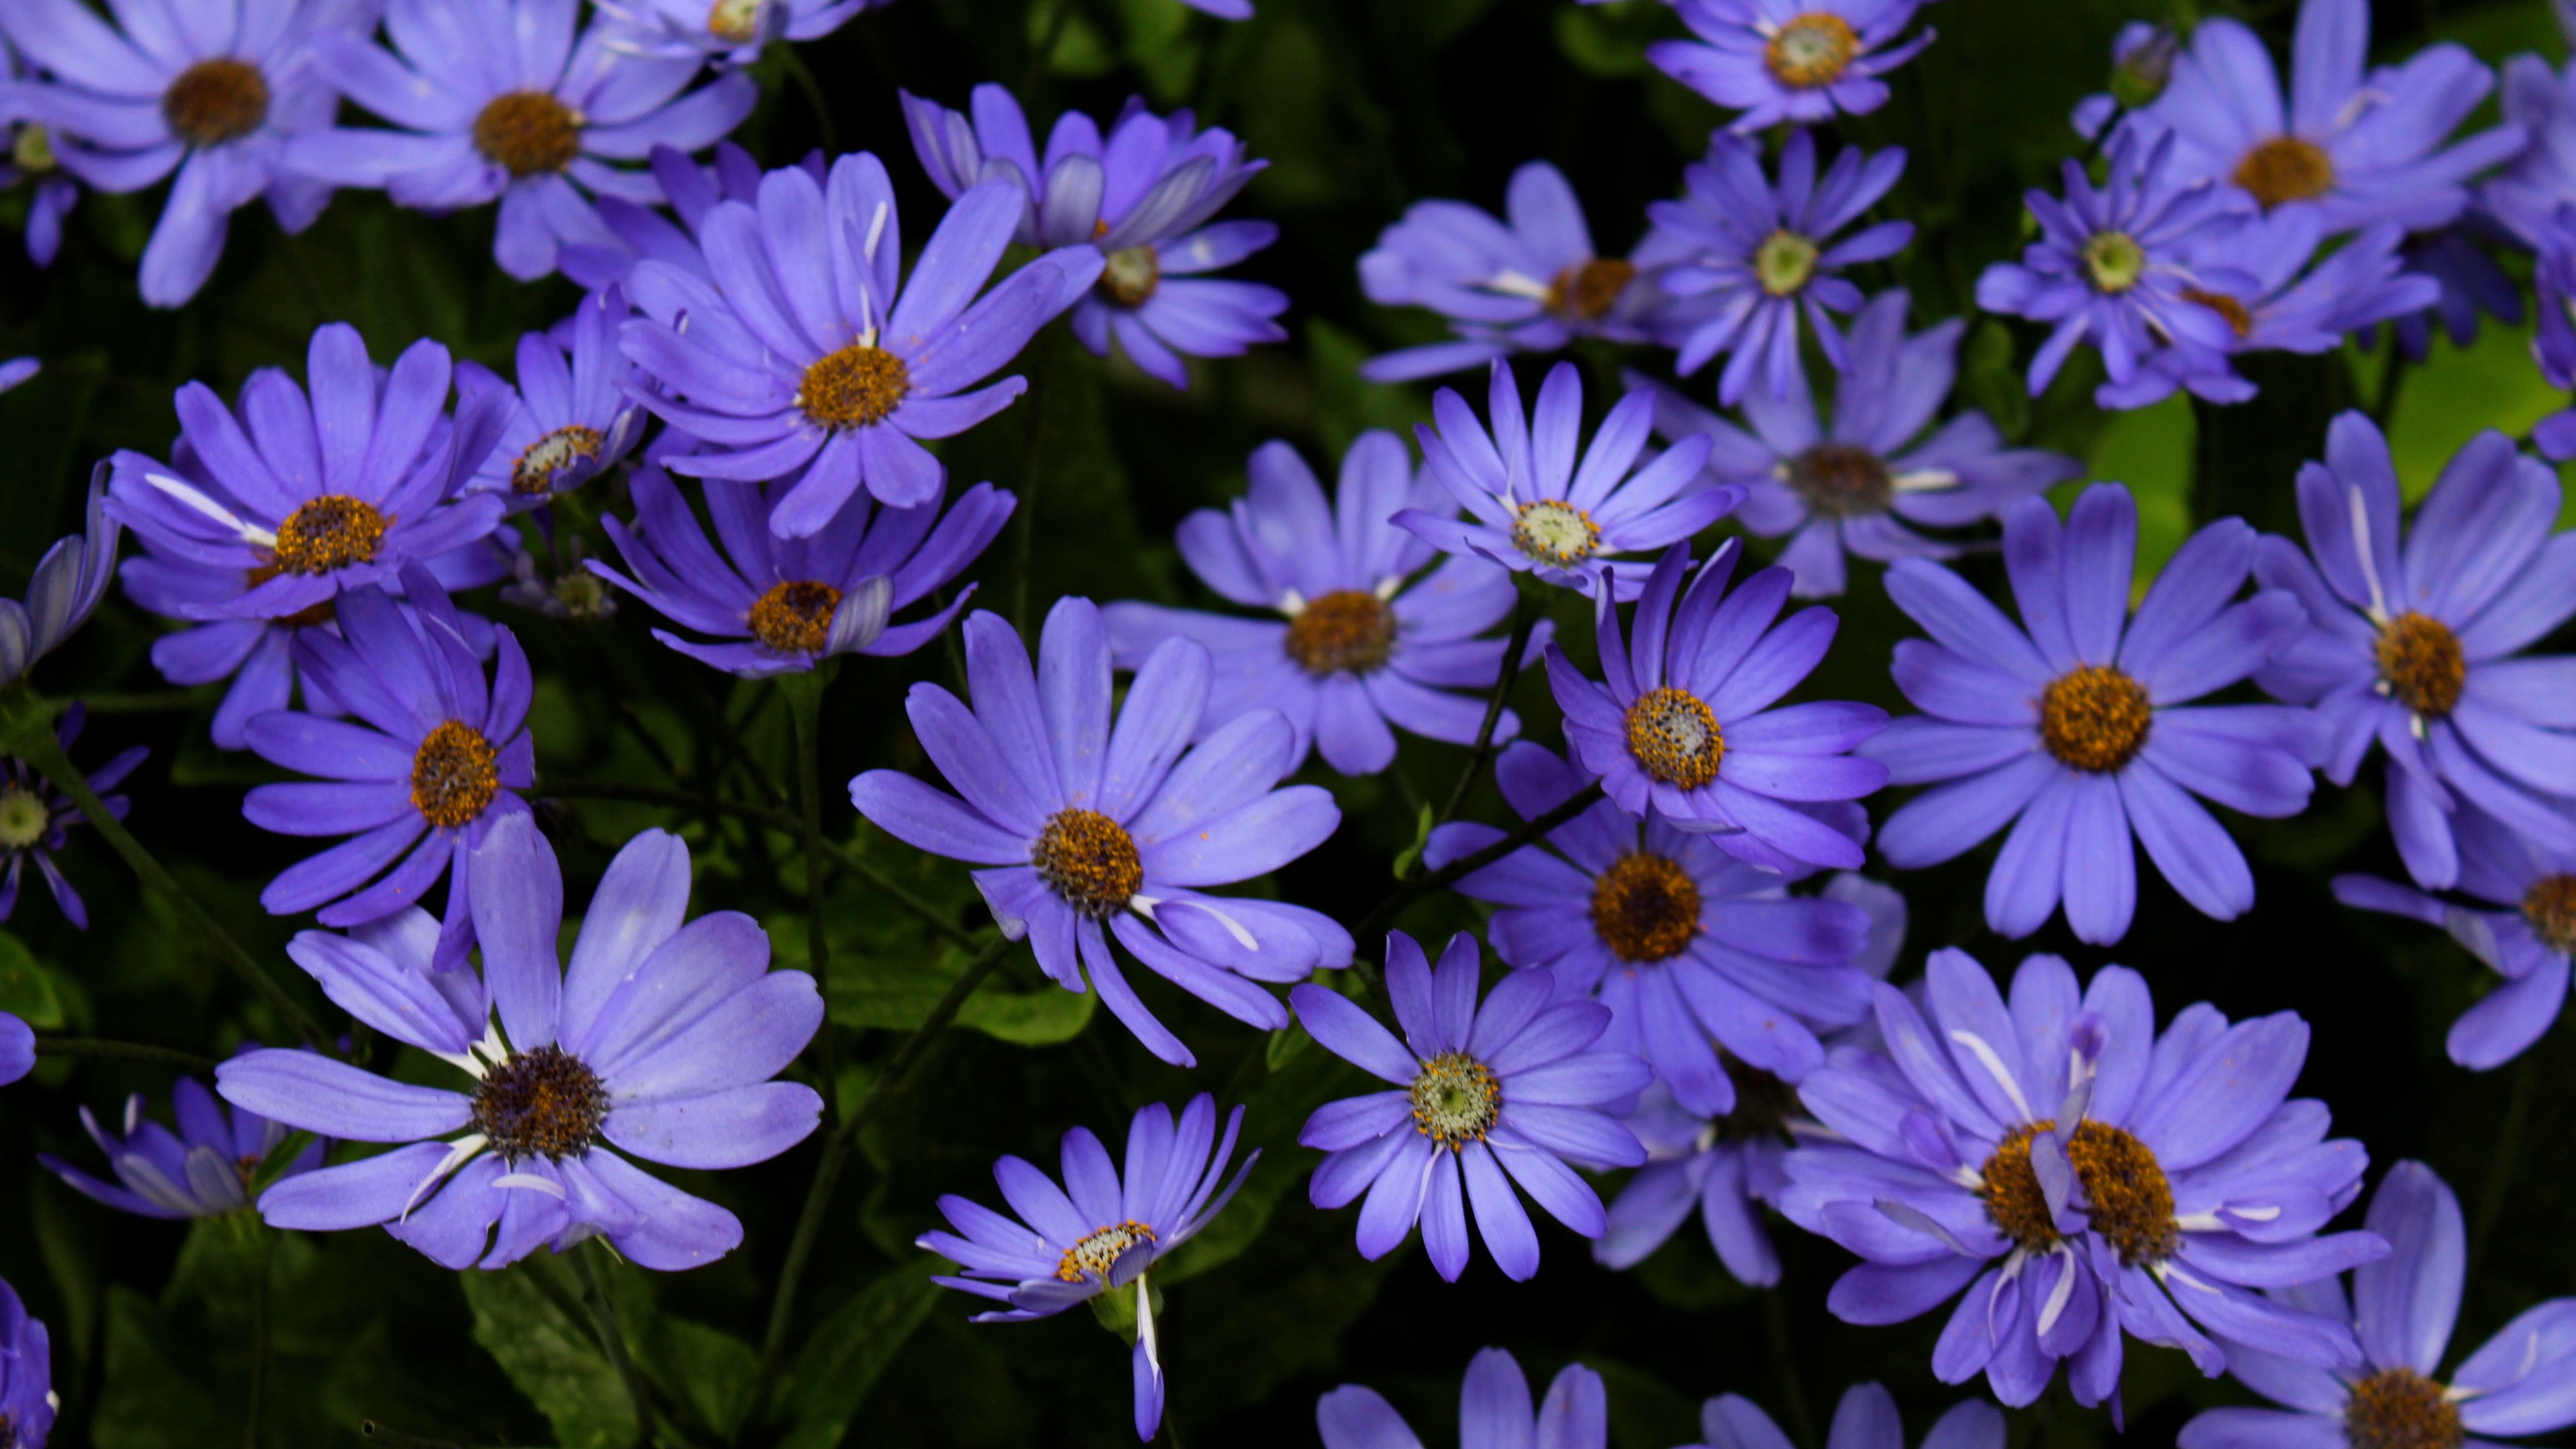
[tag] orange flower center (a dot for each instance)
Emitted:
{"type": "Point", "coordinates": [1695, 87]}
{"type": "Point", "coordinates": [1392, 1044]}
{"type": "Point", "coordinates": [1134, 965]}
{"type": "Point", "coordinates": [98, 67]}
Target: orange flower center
{"type": "Point", "coordinates": [2094, 718]}
{"type": "Point", "coordinates": [1673, 735]}
{"type": "Point", "coordinates": [2285, 168]}
{"type": "Point", "coordinates": [1346, 629]}
{"type": "Point", "coordinates": [858, 385]}
{"type": "Point", "coordinates": [542, 1103]}
{"type": "Point", "coordinates": [528, 133]}
{"type": "Point", "coordinates": [2420, 659]}
{"type": "Point", "coordinates": [1811, 50]}
{"type": "Point", "coordinates": [1586, 291]}
{"type": "Point", "coordinates": [1645, 907]}
{"type": "Point", "coordinates": [1089, 860]}
{"type": "Point", "coordinates": [215, 101]}
{"type": "Point", "coordinates": [2129, 1201]}
{"type": "Point", "coordinates": [329, 532]}
{"type": "Point", "coordinates": [795, 617]}
{"type": "Point", "coordinates": [454, 775]}
{"type": "Point", "coordinates": [2401, 1409]}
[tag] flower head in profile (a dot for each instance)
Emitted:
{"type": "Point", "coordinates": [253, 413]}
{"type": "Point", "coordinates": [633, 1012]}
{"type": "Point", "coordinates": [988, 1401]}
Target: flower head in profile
{"type": "Point", "coordinates": [2079, 1174]}
{"type": "Point", "coordinates": [27, 155]}
{"type": "Point", "coordinates": [202, 1170]}
{"type": "Point", "coordinates": [569, 418]}
{"type": "Point", "coordinates": [1494, 1411]}
{"type": "Point", "coordinates": [2408, 639]}
{"type": "Point", "coordinates": [36, 819]}
{"type": "Point", "coordinates": [659, 1040]}
{"type": "Point", "coordinates": [1864, 1419]}
{"type": "Point", "coordinates": [2142, 59]}
{"type": "Point", "coordinates": [1483, 1097]}
{"type": "Point", "coordinates": [1371, 640]}
{"type": "Point", "coordinates": [1090, 822]}
{"type": "Point", "coordinates": [65, 589]}
{"type": "Point", "coordinates": [1098, 1233]}
{"type": "Point", "coordinates": [2077, 726]}
{"type": "Point", "coordinates": [1534, 510]}
{"type": "Point", "coordinates": [2522, 199]}
{"type": "Point", "coordinates": [499, 100]}
{"type": "Point", "coordinates": [27, 1398]}
{"type": "Point", "coordinates": [727, 32]}
{"type": "Point", "coordinates": [1528, 281]}
{"type": "Point", "coordinates": [2554, 347]}
{"type": "Point", "coordinates": [1799, 61]}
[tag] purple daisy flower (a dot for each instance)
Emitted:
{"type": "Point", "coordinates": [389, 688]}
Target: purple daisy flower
{"type": "Point", "coordinates": [1864, 1419]}
{"type": "Point", "coordinates": [27, 154]}
{"type": "Point", "coordinates": [2402, 1310]}
{"type": "Point", "coordinates": [569, 417]}
{"type": "Point", "coordinates": [1507, 1092]}
{"type": "Point", "coordinates": [1370, 640]}
{"type": "Point", "coordinates": [1494, 1411]}
{"type": "Point", "coordinates": [807, 360]}
{"type": "Point", "coordinates": [2078, 720]}
{"type": "Point", "coordinates": [2079, 1175]}
{"type": "Point", "coordinates": [1097, 1234]}
{"type": "Point", "coordinates": [430, 761]}
{"type": "Point", "coordinates": [203, 1170]}
{"type": "Point", "coordinates": [660, 1038]}
{"type": "Point", "coordinates": [1684, 722]}
{"type": "Point", "coordinates": [1089, 826]}
{"type": "Point", "coordinates": [2408, 639]}
{"type": "Point", "coordinates": [1754, 256]}
{"type": "Point", "coordinates": [726, 32]}
{"type": "Point", "coordinates": [65, 589]}
{"type": "Point", "coordinates": [212, 89]}
{"type": "Point", "coordinates": [36, 818]}
{"type": "Point", "coordinates": [1143, 197]}
{"type": "Point", "coordinates": [1799, 61]}
{"type": "Point", "coordinates": [1855, 484]}
{"type": "Point", "coordinates": [1534, 510]}
{"type": "Point", "coordinates": [534, 128]}
{"type": "Point", "coordinates": [1529, 282]}
{"type": "Point", "coordinates": [2359, 145]}
{"type": "Point", "coordinates": [27, 1398]}
{"type": "Point", "coordinates": [793, 602]}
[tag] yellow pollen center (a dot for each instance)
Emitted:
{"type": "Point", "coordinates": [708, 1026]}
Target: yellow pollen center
{"type": "Point", "coordinates": [1784, 262]}
{"type": "Point", "coordinates": [1455, 1100]}
{"type": "Point", "coordinates": [1839, 480]}
{"type": "Point", "coordinates": [734, 20]}
{"type": "Point", "coordinates": [2401, 1409]}
{"type": "Point", "coordinates": [2114, 260]}
{"type": "Point", "coordinates": [2550, 907]}
{"type": "Point", "coordinates": [2239, 321]}
{"type": "Point", "coordinates": [2420, 659]}
{"type": "Point", "coordinates": [1645, 907]}
{"type": "Point", "coordinates": [534, 472]}
{"type": "Point", "coordinates": [454, 775]}
{"type": "Point", "coordinates": [2094, 718]}
{"type": "Point", "coordinates": [1346, 629]}
{"type": "Point", "coordinates": [1811, 50]}
{"type": "Point", "coordinates": [858, 385]}
{"type": "Point", "coordinates": [330, 532]}
{"type": "Point", "coordinates": [1586, 291]}
{"type": "Point", "coordinates": [23, 817]}
{"type": "Point", "coordinates": [1554, 532]}
{"type": "Point", "coordinates": [2285, 168]}
{"type": "Point", "coordinates": [1089, 860]}
{"type": "Point", "coordinates": [1091, 1259]}
{"type": "Point", "coordinates": [215, 101]}
{"type": "Point", "coordinates": [32, 149]}
{"type": "Point", "coordinates": [796, 617]}
{"type": "Point", "coordinates": [1673, 735]}
{"type": "Point", "coordinates": [2124, 1192]}
{"type": "Point", "coordinates": [1130, 276]}
{"type": "Point", "coordinates": [542, 1103]}
{"type": "Point", "coordinates": [528, 133]}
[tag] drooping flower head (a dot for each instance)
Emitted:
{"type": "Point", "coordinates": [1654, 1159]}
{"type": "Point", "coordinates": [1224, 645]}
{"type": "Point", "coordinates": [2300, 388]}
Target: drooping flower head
{"type": "Point", "coordinates": [1799, 61]}
{"type": "Point", "coordinates": [2079, 1174]}
{"type": "Point", "coordinates": [535, 126]}
{"type": "Point", "coordinates": [203, 1170]}
{"type": "Point", "coordinates": [1483, 1097]}
{"type": "Point", "coordinates": [1144, 197]}
{"type": "Point", "coordinates": [1533, 510]}
{"type": "Point", "coordinates": [1682, 721]}
{"type": "Point", "coordinates": [36, 818]}
{"type": "Point", "coordinates": [808, 359]}
{"type": "Point", "coordinates": [1755, 255]}
{"type": "Point", "coordinates": [65, 589]}
{"type": "Point", "coordinates": [727, 32]}
{"type": "Point", "coordinates": [659, 1040]}
{"type": "Point", "coordinates": [1098, 1233]}
{"type": "Point", "coordinates": [2409, 636]}
{"type": "Point", "coordinates": [2076, 726]}
{"type": "Point", "coordinates": [1089, 826]}
{"type": "Point", "coordinates": [1864, 1419]}
{"type": "Point", "coordinates": [1371, 640]}
{"type": "Point", "coordinates": [2554, 346]}
{"type": "Point", "coordinates": [1526, 282]}
{"type": "Point", "coordinates": [27, 155]}
{"type": "Point", "coordinates": [2524, 197]}
{"type": "Point", "coordinates": [27, 1398]}
{"type": "Point", "coordinates": [569, 415]}
{"type": "Point", "coordinates": [781, 605]}
{"type": "Point", "coordinates": [2142, 58]}
{"type": "Point", "coordinates": [1494, 1411]}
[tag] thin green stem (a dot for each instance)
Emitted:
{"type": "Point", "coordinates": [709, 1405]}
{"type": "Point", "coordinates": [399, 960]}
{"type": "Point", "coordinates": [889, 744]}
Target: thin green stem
{"type": "Point", "coordinates": [1406, 892]}
{"type": "Point", "coordinates": [1525, 611]}
{"type": "Point", "coordinates": [2517, 1113]}
{"type": "Point", "coordinates": [805, 709]}
{"type": "Point", "coordinates": [603, 1319]}
{"type": "Point", "coordinates": [813, 89]}
{"type": "Point", "coordinates": [96, 1049]}
{"type": "Point", "coordinates": [158, 701]}
{"type": "Point", "coordinates": [259, 1335]}
{"type": "Point", "coordinates": [1024, 539]}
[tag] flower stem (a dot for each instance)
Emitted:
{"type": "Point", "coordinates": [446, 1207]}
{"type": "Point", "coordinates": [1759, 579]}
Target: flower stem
{"type": "Point", "coordinates": [1408, 891]}
{"type": "Point", "coordinates": [1023, 541]}
{"type": "Point", "coordinates": [603, 1319]}
{"type": "Point", "coordinates": [259, 1334]}
{"type": "Point", "coordinates": [805, 707]}
{"type": "Point", "coordinates": [97, 1049]}
{"type": "Point", "coordinates": [1526, 607]}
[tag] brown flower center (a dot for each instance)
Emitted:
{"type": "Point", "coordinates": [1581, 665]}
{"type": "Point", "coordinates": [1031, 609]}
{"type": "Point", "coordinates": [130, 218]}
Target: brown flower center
{"type": "Point", "coordinates": [2550, 907]}
{"type": "Point", "coordinates": [2124, 1191]}
{"type": "Point", "coordinates": [454, 775]}
{"type": "Point", "coordinates": [1586, 291]}
{"type": "Point", "coordinates": [795, 617]}
{"type": "Point", "coordinates": [1092, 1258]}
{"type": "Point", "coordinates": [330, 532]}
{"type": "Point", "coordinates": [1645, 907]}
{"type": "Point", "coordinates": [2239, 321]}
{"type": "Point", "coordinates": [1456, 1100]}
{"type": "Point", "coordinates": [1130, 276]}
{"type": "Point", "coordinates": [1555, 532]}
{"type": "Point", "coordinates": [542, 1103]}
{"type": "Point", "coordinates": [2420, 659]}
{"type": "Point", "coordinates": [528, 133]}
{"type": "Point", "coordinates": [2401, 1409]}
{"type": "Point", "coordinates": [1346, 629]}
{"type": "Point", "coordinates": [853, 387]}
{"type": "Point", "coordinates": [1089, 860]}
{"type": "Point", "coordinates": [1839, 480]}
{"type": "Point", "coordinates": [534, 472]}
{"type": "Point", "coordinates": [2285, 168]}
{"type": "Point", "coordinates": [2094, 718]}
{"type": "Point", "coordinates": [1784, 262]}
{"type": "Point", "coordinates": [215, 101]}
{"type": "Point", "coordinates": [734, 20]}
{"type": "Point", "coordinates": [1673, 734]}
{"type": "Point", "coordinates": [1812, 49]}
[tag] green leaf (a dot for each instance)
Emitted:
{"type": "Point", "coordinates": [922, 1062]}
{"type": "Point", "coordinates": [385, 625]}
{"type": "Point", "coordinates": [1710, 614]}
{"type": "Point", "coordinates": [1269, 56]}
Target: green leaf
{"type": "Point", "coordinates": [26, 987]}
{"type": "Point", "coordinates": [896, 992]}
{"type": "Point", "coordinates": [168, 1408]}
{"type": "Point", "coordinates": [551, 1356]}
{"type": "Point", "coordinates": [1410, 858]}
{"type": "Point", "coordinates": [850, 1350]}
{"type": "Point", "coordinates": [708, 1372]}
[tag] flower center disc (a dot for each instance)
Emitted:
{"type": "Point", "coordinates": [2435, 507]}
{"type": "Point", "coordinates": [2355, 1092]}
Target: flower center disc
{"type": "Point", "coordinates": [2130, 1202]}
{"type": "Point", "coordinates": [1130, 276]}
{"type": "Point", "coordinates": [1645, 907]}
{"type": "Point", "coordinates": [853, 387]}
{"type": "Point", "coordinates": [582, 595]}
{"type": "Point", "coordinates": [734, 20]}
{"type": "Point", "coordinates": [215, 101]}
{"type": "Point", "coordinates": [1089, 860]}
{"type": "Point", "coordinates": [1093, 1257]}
{"type": "Point", "coordinates": [1839, 480]}
{"type": "Point", "coordinates": [2094, 718]}
{"type": "Point", "coordinates": [454, 775]}
{"type": "Point", "coordinates": [2115, 261]}
{"type": "Point", "coordinates": [1455, 1100]}
{"type": "Point", "coordinates": [2401, 1409]}
{"type": "Point", "coordinates": [33, 150]}
{"type": "Point", "coordinates": [2420, 658]}
{"type": "Point", "coordinates": [1812, 49]}
{"type": "Point", "coordinates": [795, 618]}
{"type": "Point", "coordinates": [330, 532]}
{"type": "Point", "coordinates": [542, 1103]}
{"type": "Point", "coordinates": [1586, 291]}
{"type": "Point", "coordinates": [528, 133]}
{"type": "Point", "coordinates": [1553, 532]}
{"type": "Point", "coordinates": [534, 473]}
{"type": "Point", "coordinates": [1673, 734]}
{"type": "Point", "coordinates": [2285, 168]}
{"type": "Point", "coordinates": [1784, 262]}
{"type": "Point", "coordinates": [1346, 629]}
{"type": "Point", "coordinates": [2239, 321]}
{"type": "Point", "coordinates": [23, 817]}
{"type": "Point", "coordinates": [2550, 907]}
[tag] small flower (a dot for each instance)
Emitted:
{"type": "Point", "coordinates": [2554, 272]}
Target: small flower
{"type": "Point", "coordinates": [827, 387]}
{"type": "Point", "coordinates": [534, 126]}
{"type": "Point", "coordinates": [203, 1170]}
{"type": "Point", "coordinates": [2402, 1310]}
{"type": "Point", "coordinates": [68, 583]}
{"type": "Point", "coordinates": [795, 601]}
{"type": "Point", "coordinates": [1089, 826]}
{"type": "Point", "coordinates": [2142, 57]}
{"type": "Point", "coordinates": [1097, 1234]}
{"type": "Point", "coordinates": [1535, 511]}
{"type": "Point", "coordinates": [2089, 1176]}
{"type": "Point", "coordinates": [1684, 723]}
{"type": "Point", "coordinates": [661, 1040]}
{"type": "Point", "coordinates": [1503, 1093]}
{"type": "Point", "coordinates": [1493, 1411]}
{"type": "Point", "coordinates": [27, 154]}
{"type": "Point", "coordinates": [571, 592]}
{"type": "Point", "coordinates": [569, 417]}
{"type": "Point", "coordinates": [727, 32]}
{"type": "Point", "coordinates": [27, 1398]}
{"type": "Point", "coordinates": [1754, 256]}
{"type": "Point", "coordinates": [1865, 1419]}
{"type": "Point", "coordinates": [1370, 639]}
{"type": "Point", "coordinates": [2078, 721]}
{"type": "Point", "coordinates": [1854, 485]}
{"type": "Point", "coordinates": [35, 818]}
{"type": "Point", "coordinates": [1799, 61]}
{"type": "Point", "coordinates": [2408, 641]}
{"type": "Point", "coordinates": [1527, 283]}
